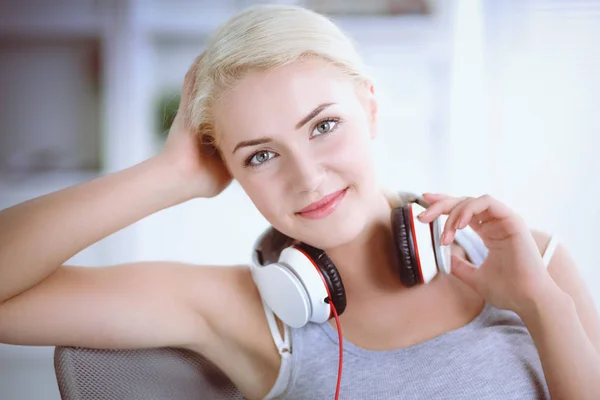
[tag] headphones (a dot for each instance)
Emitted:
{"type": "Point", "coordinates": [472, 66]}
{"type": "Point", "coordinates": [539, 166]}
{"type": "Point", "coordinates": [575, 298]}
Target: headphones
{"type": "Point", "coordinates": [298, 281]}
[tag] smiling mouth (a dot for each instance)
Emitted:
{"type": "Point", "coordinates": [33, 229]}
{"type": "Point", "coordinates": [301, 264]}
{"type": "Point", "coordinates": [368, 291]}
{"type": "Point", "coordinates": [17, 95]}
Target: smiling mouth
{"type": "Point", "coordinates": [323, 207]}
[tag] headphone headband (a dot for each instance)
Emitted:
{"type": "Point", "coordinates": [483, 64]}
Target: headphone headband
{"type": "Point", "coordinates": [269, 246]}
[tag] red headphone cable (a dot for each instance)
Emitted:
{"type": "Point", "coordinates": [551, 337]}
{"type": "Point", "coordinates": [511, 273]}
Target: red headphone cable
{"type": "Point", "coordinates": [339, 330]}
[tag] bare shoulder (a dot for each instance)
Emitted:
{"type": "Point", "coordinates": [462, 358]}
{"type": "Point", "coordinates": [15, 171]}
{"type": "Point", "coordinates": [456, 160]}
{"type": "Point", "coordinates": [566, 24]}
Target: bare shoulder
{"type": "Point", "coordinates": [567, 275]}
{"type": "Point", "coordinates": [232, 304]}
{"type": "Point", "coordinates": [240, 341]}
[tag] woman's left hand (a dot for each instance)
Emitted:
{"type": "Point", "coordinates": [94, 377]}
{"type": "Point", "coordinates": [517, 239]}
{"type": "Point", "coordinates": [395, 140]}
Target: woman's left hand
{"type": "Point", "coordinates": [513, 276]}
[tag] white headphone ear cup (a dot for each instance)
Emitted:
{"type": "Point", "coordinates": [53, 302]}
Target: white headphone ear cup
{"type": "Point", "coordinates": [424, 245]}
{"type": "Point", "coordinates": [442, 253]}
{"type": "Point", "coordinates": [284, 293]}
{"type": "Point", "coordinates": [310, 277]}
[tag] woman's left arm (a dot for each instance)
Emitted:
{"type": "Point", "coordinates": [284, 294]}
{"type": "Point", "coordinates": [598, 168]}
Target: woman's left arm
{"type": "Point", "coordinates": [565, 327]}
{"type": "Point", "coordinates": [553, 302]}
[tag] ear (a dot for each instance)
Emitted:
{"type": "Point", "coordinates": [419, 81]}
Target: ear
{"type": "Point", "coordinates": [371, 107]}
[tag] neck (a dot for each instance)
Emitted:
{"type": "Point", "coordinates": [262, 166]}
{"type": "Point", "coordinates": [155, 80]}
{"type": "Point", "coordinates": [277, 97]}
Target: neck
{"type": "Point", "coordinates": [369, 262]}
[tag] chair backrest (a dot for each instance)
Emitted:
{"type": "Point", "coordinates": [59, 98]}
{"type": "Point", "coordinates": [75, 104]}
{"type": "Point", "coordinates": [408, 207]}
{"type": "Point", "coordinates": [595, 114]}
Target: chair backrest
{"type": "Point", "coordinates": [144, 374]}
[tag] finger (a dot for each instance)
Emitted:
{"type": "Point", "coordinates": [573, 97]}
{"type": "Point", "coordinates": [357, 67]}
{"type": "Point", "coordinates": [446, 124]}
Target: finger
{"type": "Point", "coordinates": [189, 80]}
{"type": "Point", "coordinates": [441, 207]}
{"type": "Point", "coordinates": [454, 218]}
{"type": "Point", "coordinates": [466, 217]}
{"type": "Point", "coordinates": [434, 197]}
{"type": "Point", "coordinates": [485, 212]}
{"type": "Point", "coordinates": [481, 210]}
{"type": "Point", "coordinates": [193, 69]}
{"type": "Point", "coordinates": [465, 271]}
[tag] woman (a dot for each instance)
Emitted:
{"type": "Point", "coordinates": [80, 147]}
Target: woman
{"type": "Point", "coordinates": [281, 95]}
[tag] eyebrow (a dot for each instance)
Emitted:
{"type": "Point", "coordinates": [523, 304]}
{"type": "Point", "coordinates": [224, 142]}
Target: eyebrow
{"type": "Point", "coordinates": [303, 121]}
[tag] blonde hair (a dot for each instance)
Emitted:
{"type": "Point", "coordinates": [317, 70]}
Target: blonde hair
{"type": "Point", "coordinates": [263, 37]}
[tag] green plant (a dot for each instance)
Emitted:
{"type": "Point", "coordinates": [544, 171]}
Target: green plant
{"type": "Point", "coordinates": [167, 109]}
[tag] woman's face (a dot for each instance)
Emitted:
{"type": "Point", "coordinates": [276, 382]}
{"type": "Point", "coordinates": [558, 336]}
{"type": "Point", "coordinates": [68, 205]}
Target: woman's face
{"type": "Point", "coordinates": [297, 135]}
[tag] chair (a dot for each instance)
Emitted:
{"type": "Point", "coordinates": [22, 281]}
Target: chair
{"type": "Point", "coordinates": [140, 374]}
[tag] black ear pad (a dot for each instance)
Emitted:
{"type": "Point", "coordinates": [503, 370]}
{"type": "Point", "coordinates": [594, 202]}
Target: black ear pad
{"type": "Point", "coordinates": [330, 273]}
{"type": "Point", "coordinates": [408, 267]}
{"type": "Point", "coordinates": [270, 244]}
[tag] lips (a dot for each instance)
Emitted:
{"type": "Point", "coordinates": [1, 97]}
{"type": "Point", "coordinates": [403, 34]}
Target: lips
{"type": "Point", "coordinates": [323, 207]}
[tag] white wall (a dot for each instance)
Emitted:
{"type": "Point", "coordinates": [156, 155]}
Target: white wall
{"type": "Point", "coordinates": [526, 126]}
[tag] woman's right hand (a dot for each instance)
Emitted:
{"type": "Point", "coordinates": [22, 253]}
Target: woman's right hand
{"type": "Point", "coordinates": [203, 171]}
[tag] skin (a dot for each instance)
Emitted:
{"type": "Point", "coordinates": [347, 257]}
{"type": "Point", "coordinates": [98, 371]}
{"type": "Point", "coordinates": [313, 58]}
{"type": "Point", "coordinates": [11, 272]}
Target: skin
{"type": "Point", "coordinates": [155, 304]}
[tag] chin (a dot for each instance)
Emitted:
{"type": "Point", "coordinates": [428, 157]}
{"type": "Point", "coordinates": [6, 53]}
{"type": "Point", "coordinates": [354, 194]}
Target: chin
{"type": "Point", "coordinates": [341, 235]}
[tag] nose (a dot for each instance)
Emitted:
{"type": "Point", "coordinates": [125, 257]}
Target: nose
{"type": "Point", "coordinates": [306, 174]}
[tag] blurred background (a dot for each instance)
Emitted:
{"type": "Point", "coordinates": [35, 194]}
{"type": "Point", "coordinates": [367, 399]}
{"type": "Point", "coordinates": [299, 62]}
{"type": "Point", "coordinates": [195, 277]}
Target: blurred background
{"type": "Point", "coordinates": [476, 96]}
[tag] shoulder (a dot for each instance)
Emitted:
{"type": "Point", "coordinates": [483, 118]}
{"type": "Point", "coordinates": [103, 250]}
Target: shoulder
{"type": "Point", "coordinates": [542, 239]}
{"type": "Point", "coordinates": [566, 274]}
{"type": "Point", "coordinates": [560, 264]}
{"type": "Point", "coordinates": [239, 340]}
{"type": "Point", "coordinates": [227, 298]}
{"type": "Point", "coordinates": [210, 289]}
{"type": "Point", "coordinates": [224, 300]}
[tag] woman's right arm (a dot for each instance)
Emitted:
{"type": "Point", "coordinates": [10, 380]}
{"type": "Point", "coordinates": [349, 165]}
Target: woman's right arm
{"type": "Point", "coordinates": [39, 235]}
{"type": "Point", "coordinates": [44, 302]}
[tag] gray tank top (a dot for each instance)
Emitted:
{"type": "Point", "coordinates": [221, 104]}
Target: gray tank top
{"type": "Point", "coordinates": [492, 357]}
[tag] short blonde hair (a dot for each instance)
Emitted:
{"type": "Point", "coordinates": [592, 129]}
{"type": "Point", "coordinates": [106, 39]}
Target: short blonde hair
{"type": "Point", "coordinates": [263, 37]}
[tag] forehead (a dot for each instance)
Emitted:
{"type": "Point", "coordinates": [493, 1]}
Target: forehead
{"type": "Point", "coordinates": [268, 103]}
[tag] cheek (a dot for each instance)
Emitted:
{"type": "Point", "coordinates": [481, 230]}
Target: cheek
{"type": "Point", "coordinates": [261, 192]}
{"type": "Point", "coordinates": [353, 152]}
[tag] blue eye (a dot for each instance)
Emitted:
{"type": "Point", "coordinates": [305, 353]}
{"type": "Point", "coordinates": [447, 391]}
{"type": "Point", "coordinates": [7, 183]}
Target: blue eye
{"type": "Point", "coordinates": [326, 126]}
{"type": "Point", "coordinates": [259, 158]}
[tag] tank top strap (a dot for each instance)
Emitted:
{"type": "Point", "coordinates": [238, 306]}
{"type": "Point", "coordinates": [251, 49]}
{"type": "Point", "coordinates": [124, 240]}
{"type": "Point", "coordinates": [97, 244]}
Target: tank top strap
{"type": "Point", "coordinates": [284, 347]}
